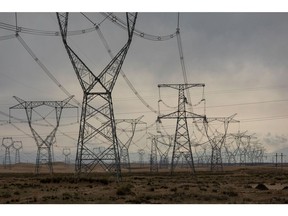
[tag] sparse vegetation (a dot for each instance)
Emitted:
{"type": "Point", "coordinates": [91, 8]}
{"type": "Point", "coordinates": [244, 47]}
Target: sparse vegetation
{"type": "Point", "coordinates": [124, 190]}
{"type": "Point", "coordinates": [236, 186]}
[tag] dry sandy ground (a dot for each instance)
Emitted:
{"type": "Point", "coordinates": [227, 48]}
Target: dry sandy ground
{"type": "Point", "coordinates": [253, 184]}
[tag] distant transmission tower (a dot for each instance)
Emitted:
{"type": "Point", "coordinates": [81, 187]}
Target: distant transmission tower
{"type": "Point", "coordinates": [153, 155]}
{"type": "Point", "coordinates": [97, 117]}
{"type": "Point", "coordinates": [45, 145]}
{"type": "Point", "coordinates": [124, 145]}
{"type": "Point", "coordinates": [7, 143]}
{"type": "Point", "coordinates": [217, 139]}
{"type": "Point", "coordinates": [182, 142]}
{"type": "Point", "coordinates": [17, 145]}
{"type": "Point", "coordinates": [141, 153]}
{"type": "Point", "coordinates": [160, 146]}
{"type": "Point", "coordinates": [66, 152]}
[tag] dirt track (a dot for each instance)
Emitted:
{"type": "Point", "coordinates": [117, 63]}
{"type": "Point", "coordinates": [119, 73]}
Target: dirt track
{"type": "Point", "coordinates": [234, 185]}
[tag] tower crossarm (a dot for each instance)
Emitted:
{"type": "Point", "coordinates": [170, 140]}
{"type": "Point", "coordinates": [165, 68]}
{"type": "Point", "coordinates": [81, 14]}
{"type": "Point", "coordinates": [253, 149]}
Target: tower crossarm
{"type": "Point", "coordinates": [185, 86]}
{"type": "Point", "coordinates": [33, 104]}
{"type": "Point", "coordinates": [222, 119]}
{"type": "Point", "coordinates": [175, 115]}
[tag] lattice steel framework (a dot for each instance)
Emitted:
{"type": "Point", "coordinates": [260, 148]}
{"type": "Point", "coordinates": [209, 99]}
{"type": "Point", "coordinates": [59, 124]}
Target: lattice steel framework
{"type": "Point", "coordinates": [44, 145]}
{"type": "Point", "coordinates": [7, 143]}
{"type": "Point", "coordinates": [17, 145]}
{"type": "Point", "coordinates": [124, 145]}
{"type": "Point", "coordinates": [153, 154]}
{"type": "Point", "coordinates": [243, 142]}
{"type": "Point", "coordinates": [163, 149]}
{"type": "Point", "coordinates": [160, 146]}
{"type": "Point", "coordinates": [182, 142]}
{"type": "Point", "coordinates": [97, 116]}
{"type": "Point", "coordinates": [217, 139]}
{"type": "Point", "coordinates": [202, 157]}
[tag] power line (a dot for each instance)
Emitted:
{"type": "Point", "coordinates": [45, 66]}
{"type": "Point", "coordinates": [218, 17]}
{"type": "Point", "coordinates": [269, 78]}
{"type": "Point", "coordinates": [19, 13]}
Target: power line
{"type": "Point", "coordinates": [264, 118]}
{"type": "Point", "coordinates": [250, 103]}
{"type": "Point", "coordinates": [38, 32]}
{"type": "Point", "coordinates": [138, 33]}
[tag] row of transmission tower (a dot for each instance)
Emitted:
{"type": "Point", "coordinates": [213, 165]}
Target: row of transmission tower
{"type": "Point", "coordinates": [215, 147]}
{"type": "Point", "coordinates": [8, 143]}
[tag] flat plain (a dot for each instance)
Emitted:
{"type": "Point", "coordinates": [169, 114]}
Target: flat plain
{"type": "Point", "coordinates": [263, 184]}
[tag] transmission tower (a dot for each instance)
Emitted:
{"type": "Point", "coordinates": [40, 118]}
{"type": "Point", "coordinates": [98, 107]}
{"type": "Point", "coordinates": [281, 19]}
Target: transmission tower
{"type": "Point", "coordinates": [44, 145]}
{"type": "Point", "coordinates": [66, 152]}
{"type": "Point", "coordinates": [203, 158]}
{"type": "Point", "coordinates": [141, 153]}
{"type": "Point", "coordinates": [163, 149]}
{"type": "Point", "coordinates": [7, 143]}
{"type": "Point", "coordinates": [160, 146]}
{"type": "Point", "coordinates": [17, 145]}
{"type": "Point", "coordinates": [243, 142]}
{"type": "Point", "coordinates": [217, 139]}
{"type": "Point", "coordinates": [124, 145]}
{"type": "Point", "coordinates": [182, 142]}
{"type": "Point", "coordinates": [97, 117]}
{"type": "Point", "coordinates": [153, 155]}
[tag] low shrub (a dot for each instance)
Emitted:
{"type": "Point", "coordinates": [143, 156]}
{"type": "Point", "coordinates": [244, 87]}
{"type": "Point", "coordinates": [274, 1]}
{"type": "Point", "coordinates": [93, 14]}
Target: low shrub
{"type": "Point", "coordinates": [124, 190]}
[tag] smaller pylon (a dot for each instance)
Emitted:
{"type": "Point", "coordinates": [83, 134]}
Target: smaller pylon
{"type": "Point", "coordinates": [17, 145]}
{"type": "Point", "coordinates": [7, 142]}
{"type": "Point", "coordinates": [217, 139]}
{"type": "Point", "coordinates": [66, 152]}
{"type": "Point", "coordinates": [153, 155]}
{"type": "Point", "coordinates": [44, 144]}
{"type": "Point", "coordinates": [124, 144]}
{"type": "Point", "coordinates": [141, 153]}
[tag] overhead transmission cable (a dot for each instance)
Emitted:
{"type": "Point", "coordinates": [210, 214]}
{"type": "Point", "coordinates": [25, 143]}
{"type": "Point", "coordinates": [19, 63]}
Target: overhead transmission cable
{"type": "Point", "coordinates": [38, 32]}
{"type": "Point", "coordinates": [137, 32]}
{"type": "Point", "coordinates": [111, 16]}
{"type": "Point", "coordinates": [44, 68]}
{"type": "Point", "coordinates": [180, 49]}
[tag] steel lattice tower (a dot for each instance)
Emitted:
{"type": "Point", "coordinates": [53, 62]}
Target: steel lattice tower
{"type": "Point", "coordinates": [153, 155]}
{"type": "Point", "coordinates": [217, 140]}
{"type": "Point", "coordinates": [17, 145]}
{"type": "Point", "coordinates": [97, 116]}
{"type": "Point", "coordinates": [124, 145]}
{"type": "Point", "coordinates": [44, 145]}
{"type": "Point", "coordinates": [182, 142]}
{"type": "Point", "coordinates": [164, 140]}
{"type": "Point", "coordinates": [156, 150]}
{"type": "Point", "coordinates": [7, 142]}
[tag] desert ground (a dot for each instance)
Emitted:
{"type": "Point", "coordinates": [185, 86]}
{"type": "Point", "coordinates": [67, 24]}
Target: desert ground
{"type": "Point", "coordinates": [265, 184]}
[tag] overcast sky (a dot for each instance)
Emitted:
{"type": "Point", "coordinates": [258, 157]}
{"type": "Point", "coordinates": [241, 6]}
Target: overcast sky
{"type": "Point", "coordinates": [241, 58]}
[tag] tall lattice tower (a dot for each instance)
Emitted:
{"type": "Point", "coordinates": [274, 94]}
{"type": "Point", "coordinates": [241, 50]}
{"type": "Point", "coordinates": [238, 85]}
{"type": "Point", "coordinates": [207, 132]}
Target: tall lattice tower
{"type": "Point", "coordinates": [17, 145]}
{"type": "Point", "coordinates": [97, 116]}
{"type": "Point", "coordinates": [7, 143]}
{"type": "Point", "coordinates": [182, 142]}
{"type": "Point", "coordinates": [44, 145]}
